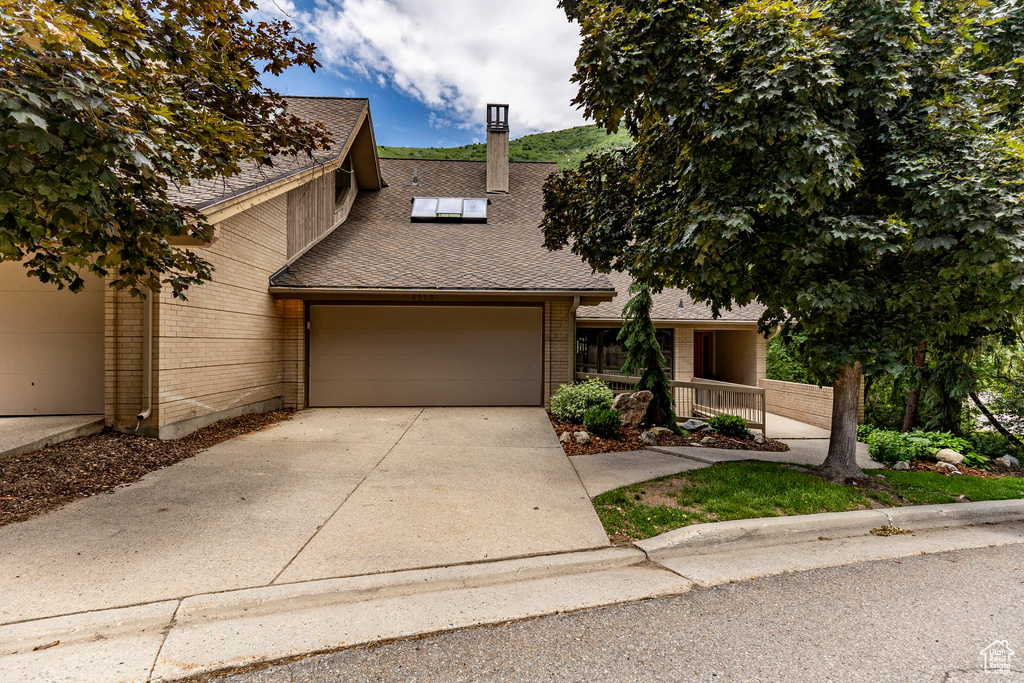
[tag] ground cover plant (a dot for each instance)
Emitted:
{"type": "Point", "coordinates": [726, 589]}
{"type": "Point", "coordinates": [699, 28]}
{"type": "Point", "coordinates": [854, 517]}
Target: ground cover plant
{"type": "Point", "coordinates": [891, 447]}
{"type": "Point", "coordinates": [730, 425]}
{"type": "Point", "coordinates": [753, 489]}
{"type": "Point", "coordinates": [603, 422]}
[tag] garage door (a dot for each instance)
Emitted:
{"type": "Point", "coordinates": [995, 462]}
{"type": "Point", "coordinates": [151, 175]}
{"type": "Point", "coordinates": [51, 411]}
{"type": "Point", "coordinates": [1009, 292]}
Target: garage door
{"type": "Point", "coordinates": [51, 346]}
{"type": "Point", "coordinates": [425, 355]}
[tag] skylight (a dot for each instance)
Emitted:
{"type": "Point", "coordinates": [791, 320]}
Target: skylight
{"type": "Point", "coordinates": [449, 209]}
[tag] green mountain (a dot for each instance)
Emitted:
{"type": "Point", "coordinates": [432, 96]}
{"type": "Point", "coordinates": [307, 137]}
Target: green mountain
{"type": "Point", "coordinates": [566, 147]}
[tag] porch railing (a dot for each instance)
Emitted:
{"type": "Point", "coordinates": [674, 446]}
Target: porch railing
{"type": "Point", "coordinates": [702, 398]}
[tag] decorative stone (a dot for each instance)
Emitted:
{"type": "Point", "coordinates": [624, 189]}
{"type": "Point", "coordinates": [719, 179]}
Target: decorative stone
{"type": "Point", "coordinates": [565, 437]}
{"type": "Point", "coordinates": [661, 432]}
{"type": "Point", "coordinates": [708, 439]}
{"type": "Point", "coordinates": [632, 408]}
{"type": "Point", "coordinates": [946, 466]}
{"type": "Point", "coordinates": [950, 456]}
{"type": "Point", "coordinates": [902, 466]}
{"type": "Point", "coordinates": [759, 438]}
{"type": "Point", "coordinates": [581, 437]}
{"type": "Point", "coordinates": [649, 437]}
{"type": "Point", "coordinates": [1009, 461]}
{"type": "Point", "coordinates": [694, 425]}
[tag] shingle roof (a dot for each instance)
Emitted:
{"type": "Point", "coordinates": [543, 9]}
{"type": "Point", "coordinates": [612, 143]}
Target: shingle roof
{"type": "Point", "coordinates": [671, 304]}
{"type": "Point", "coordinates": [339, 114]}
{"type": "Point", "coordinates": [378, 247]}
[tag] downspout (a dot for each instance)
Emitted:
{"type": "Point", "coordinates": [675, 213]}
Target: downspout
{"type": "Point", "coordinates": [147, 360]}
{"type": "Point", "coordinates": [572, 339]}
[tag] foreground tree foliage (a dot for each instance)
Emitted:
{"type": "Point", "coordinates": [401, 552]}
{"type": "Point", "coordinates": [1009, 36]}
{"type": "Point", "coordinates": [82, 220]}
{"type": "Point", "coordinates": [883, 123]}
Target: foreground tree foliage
{"type": "Point", "coordinates": [105, 105]}
{"type": "Point", "coordinates": [856, 166]}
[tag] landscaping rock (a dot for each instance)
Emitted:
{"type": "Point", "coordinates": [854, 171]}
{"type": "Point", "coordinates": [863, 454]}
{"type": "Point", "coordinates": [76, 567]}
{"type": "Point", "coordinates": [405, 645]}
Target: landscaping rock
{"type": "Point", "coordinates": [649, 437]}
{"type": "Point", "coordinates": [565, 437]}
{"type": "Point", "coordinates": [632, 408]}
{"type": "Point", "coordinates": [758, 438]}
{"type": "Point", "coordinates": [948, 455]}
{"type": "Point", "coordinates": [694, 425]}
{"type": "Point", "coordinates": [662, 431]}
{"type": "Point", "coordinates": [946, 465]}
{"type": "Point", "coordinates": [581, 437]}
{"type": "Point", "coordinates": [1009, 461]}
{"type": "Point", "coordinates": [708, 439]}
{"type": "Point", "coordinates": [902, 466]}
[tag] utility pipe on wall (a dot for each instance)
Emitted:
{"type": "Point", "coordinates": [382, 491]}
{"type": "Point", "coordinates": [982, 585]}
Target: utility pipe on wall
{"type": "Point", "coordinates": [147, 360]}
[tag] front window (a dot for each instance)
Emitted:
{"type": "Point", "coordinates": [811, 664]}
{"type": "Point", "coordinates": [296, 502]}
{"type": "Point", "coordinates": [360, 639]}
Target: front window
{"type": "Point", "coordinates": [598, 350]}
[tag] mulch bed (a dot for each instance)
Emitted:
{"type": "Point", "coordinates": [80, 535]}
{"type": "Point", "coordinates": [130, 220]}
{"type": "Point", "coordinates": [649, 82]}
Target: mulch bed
{"type": "Point", "coordinates": [994, 469]}
{"type": "Point", "coordinates": [630, 441]}
{"type": "Point", "coordinates": [38, 482]}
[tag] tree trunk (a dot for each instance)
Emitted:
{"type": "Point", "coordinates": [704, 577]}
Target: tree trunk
{"type": "Point", "coordinates": [994, 422]}
{"type": "Point", "coordinates": [841, 462]}
{"type": "Point", "coordinates": [914, 397]}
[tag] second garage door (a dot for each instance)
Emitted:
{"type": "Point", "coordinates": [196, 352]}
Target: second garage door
{"type": "Point", "coordinates": [425, 355]}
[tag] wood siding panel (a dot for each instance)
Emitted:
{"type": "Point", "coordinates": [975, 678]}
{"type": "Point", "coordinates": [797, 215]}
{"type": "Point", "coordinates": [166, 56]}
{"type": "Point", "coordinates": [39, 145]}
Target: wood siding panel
{"type": "Point", "coordinates": [310, 213]}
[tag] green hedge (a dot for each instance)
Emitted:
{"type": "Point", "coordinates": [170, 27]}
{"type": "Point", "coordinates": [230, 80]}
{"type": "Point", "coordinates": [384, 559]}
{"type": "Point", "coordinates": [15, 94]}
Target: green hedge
{"type": "Point", "coordinates": [572, 401]}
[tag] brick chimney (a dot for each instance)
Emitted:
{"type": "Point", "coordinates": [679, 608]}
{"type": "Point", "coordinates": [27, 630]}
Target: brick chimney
{"type": "Point", "coordinates": [497, 148]}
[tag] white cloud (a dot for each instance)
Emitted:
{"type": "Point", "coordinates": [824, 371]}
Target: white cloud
{"type": "Point", "coordinates": [455, 56]}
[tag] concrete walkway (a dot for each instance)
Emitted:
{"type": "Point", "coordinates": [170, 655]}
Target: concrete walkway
{"type": "Point", "coordinates": [779, 427]}
{"type": "Point", "coordinates": [331, 493]}
{"type": "Point", "coordinates": [20, 435]}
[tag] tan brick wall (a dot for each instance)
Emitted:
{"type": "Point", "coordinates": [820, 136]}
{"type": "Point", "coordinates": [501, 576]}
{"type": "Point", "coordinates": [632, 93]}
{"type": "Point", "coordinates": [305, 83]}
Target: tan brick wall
{"type": "Point", "coordinates": [230, 348]}
{"type": "Point", "coordinates": [559, 337]}
{"type": "Point", "coordinates": [804, 402]}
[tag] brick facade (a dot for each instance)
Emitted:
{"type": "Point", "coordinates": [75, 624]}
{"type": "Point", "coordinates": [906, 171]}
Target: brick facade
{"type": "Point", "coordinates": [231, 348]}
{"type": "Point", "coordinates": [559, 342]}
{"type": "Point", "coordinates": [804, 402]}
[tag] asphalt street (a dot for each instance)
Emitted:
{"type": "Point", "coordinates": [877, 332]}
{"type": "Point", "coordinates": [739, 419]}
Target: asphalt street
{"type": "Point", "coordinates": [923, 618]}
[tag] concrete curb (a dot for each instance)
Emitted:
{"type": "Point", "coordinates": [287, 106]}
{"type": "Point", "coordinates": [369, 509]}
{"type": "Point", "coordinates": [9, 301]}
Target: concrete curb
{"type": "Point", "coordinates": [94, 427]}
{"type": "Point", "coordinates": [714, 537]}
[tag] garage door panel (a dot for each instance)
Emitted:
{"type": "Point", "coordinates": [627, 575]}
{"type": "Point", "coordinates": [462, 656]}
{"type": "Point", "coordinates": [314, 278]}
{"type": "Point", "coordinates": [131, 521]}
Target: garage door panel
{"type": "Point", "coordinates": [456, 367]}
{"type": "Point", "coordinates": [425, 355]}
{"type": "Point", "coordinates": [51, 346]}
{"type": "Point", "coordinates": [422, 393]}
{"type": "Point", "coordinates": [424, 317]}
{"type": "Point", "coordinates": [47, 354]}
{"type": "Point", "coordinates": [423, 342]}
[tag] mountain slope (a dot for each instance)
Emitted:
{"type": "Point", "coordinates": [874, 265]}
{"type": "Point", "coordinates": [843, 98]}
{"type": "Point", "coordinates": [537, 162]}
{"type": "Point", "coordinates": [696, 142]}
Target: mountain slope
{"type": "Point", "coordinates": [566, 147]}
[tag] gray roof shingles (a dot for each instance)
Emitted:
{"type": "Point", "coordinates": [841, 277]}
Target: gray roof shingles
{"type": "Point", "coordinates": [339, 114]}
{"type": "Point", "coordinates": [669, 305]}
{"type": "Point", "coordinates": [379, 247]}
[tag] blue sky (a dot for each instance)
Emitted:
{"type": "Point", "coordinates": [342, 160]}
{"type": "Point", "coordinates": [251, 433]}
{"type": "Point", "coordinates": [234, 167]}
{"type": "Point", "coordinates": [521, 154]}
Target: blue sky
{"type": "Point", "coordinates": [429, 67]}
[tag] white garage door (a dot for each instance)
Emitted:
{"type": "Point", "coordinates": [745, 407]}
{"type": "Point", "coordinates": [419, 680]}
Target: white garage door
{"type": "Point", "coordinates": [425, 355]}
{"type": "Point", "coordinates": [51, 346]}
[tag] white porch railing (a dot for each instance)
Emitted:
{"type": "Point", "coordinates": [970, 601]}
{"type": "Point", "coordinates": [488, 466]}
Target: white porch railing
{"type": "Point", "coordinates": [702, 397]}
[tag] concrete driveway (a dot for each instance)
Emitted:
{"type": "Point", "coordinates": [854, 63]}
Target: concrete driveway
{"type": "Point", "coordinates": [331, 493]}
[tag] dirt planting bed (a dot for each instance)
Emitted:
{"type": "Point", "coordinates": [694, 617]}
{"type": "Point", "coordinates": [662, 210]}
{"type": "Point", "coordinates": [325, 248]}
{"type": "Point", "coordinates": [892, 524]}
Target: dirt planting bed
{"type": "Point", "coordinates": [46, 479]}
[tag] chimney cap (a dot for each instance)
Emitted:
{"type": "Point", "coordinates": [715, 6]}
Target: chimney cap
{"type": "Point", "coordinates": [497, 117]}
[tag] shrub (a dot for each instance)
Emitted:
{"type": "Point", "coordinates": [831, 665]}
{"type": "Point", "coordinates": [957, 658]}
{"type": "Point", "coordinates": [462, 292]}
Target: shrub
{"type": "Point", "coordinates": [891, 447]}
{"type": "Point", "coordinates": [729, 425]}
{"type": "Point", "coordinates": [863, 432]}
{"type": "Point", "coordinates": [993, 444]}
{"type": "Point", "coordinates": [603, 422]}
{"type": "Point", "coordinates": [572, 401]}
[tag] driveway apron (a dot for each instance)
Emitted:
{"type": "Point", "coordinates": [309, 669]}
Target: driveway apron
{"type": "Point", "coordinates": [333, 492]}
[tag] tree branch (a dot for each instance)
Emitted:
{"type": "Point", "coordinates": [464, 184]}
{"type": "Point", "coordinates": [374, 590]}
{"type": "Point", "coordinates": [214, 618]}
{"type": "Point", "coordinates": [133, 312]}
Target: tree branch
{"type": "Point", "coordinates": [995, 423]}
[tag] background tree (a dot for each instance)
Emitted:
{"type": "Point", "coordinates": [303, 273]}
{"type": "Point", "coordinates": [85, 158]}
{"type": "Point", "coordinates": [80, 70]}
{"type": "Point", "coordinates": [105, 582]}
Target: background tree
{"type": "Point", "coordinates": [105, 105]}
{"type": "Point", "coordinates": [855, 166]}
{"type": "Point", "coordinates": [644, 355]}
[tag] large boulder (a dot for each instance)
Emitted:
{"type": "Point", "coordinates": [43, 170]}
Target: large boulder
{"type": "Point", "coordinates": [695, 425]}
{"type": "Point", "coordinates": [950, 456]}
{"type": "Point", "coordinates": [632, 408]}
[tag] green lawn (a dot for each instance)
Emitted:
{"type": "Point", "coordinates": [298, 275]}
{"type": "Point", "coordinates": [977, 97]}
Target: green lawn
{"type": "Point", "coordinates": [928, 488]}
{"type": "Point", "coordinates": [745, 490]}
